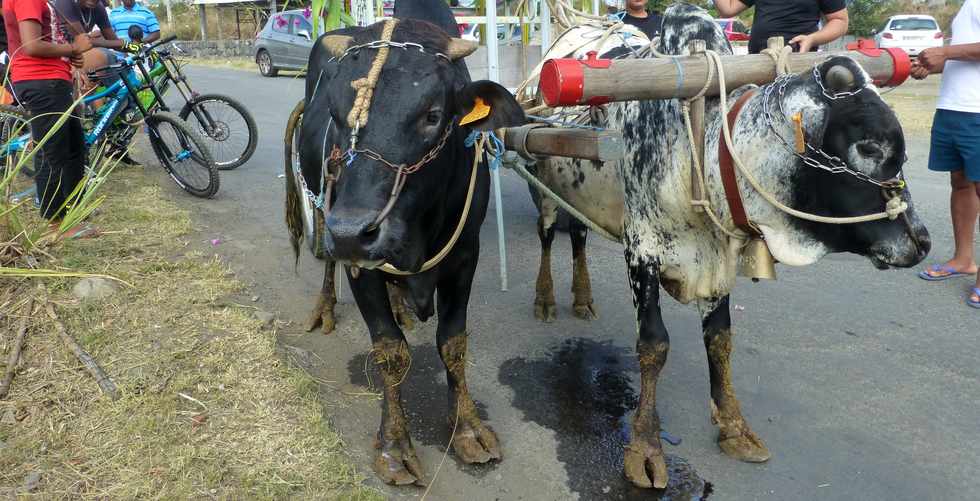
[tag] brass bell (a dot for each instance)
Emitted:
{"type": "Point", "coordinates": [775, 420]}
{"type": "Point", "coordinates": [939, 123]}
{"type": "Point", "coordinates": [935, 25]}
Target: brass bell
{"type": "Point", "coordinates": [756, 262]}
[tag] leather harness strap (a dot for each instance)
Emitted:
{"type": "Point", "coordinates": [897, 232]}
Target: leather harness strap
{"type": "Point", "coordinates": [727, 168]}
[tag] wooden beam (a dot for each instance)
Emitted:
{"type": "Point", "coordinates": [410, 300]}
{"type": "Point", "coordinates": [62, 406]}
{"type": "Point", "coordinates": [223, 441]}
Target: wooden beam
{"type": "Point", "coordinates": [570, 82]}
{"type": "Point", "coordinates": [585, 144]}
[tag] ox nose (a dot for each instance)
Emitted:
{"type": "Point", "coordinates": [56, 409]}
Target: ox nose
{"type": "Point", "coordinates": [353, 237]}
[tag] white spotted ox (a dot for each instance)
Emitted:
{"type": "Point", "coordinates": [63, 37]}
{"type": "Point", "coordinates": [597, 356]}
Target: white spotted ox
{"type": "Point", "coordinates": [646, 198]}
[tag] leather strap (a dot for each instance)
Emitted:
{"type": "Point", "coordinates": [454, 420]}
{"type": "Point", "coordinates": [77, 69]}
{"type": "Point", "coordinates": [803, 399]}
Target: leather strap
{"type": "Point", "coordinates": [727, 167]}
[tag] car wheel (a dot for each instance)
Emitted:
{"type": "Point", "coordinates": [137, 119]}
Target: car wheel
{"type": "Point", "coordinates": [264, 60]}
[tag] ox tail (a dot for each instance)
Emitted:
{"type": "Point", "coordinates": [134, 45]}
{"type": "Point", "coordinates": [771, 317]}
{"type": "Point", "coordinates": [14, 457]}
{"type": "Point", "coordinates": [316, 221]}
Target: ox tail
{"type": "Point", "coordinates": [294, 212]}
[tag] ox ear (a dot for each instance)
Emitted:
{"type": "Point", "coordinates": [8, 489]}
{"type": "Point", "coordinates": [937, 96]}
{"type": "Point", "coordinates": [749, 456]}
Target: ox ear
{"type": "Point", "coordinates": [459, 48]}
{"type": "Point", "coordinates": [486, 105]}
{"type": "Point", "coordinates": [336, 45]}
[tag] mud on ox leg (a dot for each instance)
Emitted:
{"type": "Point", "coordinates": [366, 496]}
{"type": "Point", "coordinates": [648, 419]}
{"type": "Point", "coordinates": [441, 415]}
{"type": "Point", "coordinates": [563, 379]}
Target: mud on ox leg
{"type": "Point", "coordinates": [396, 461]}
{"type": "Point", "coordinates": [643, 462]}
{"type": "Point", "coordinates": [473, 441]}
{"type": "Point", "coordinates": [734, 435]}
{"type": "Point", "coordinates": [323, 313]}
{"type": "Point", "coordinates": [544, 299]}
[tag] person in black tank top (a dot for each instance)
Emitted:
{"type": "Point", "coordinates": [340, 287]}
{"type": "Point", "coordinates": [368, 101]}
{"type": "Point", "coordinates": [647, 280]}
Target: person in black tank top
{"type": "Point", "coordinates": [797, 21]}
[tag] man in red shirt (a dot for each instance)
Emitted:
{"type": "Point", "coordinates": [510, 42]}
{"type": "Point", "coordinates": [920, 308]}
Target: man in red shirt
{"type": "Point", "coordinates": [40, 70]}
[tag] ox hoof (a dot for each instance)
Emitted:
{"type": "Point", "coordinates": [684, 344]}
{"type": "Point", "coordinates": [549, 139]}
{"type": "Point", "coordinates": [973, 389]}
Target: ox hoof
{"type": "Point", "coordinates": [321, 317]}
{"type": "Point", "coordinates": [476, 445]}
{"type": "Point", "coordinates": [397, 464]}
{"type": "Point", "coordinates": [746, 447]}
{"type": "Point", "coordinates": [545, 311]}
{"type": "Point", "coordinates": [644, 465]}
{"type": "Point", "coordinates": [585, 311]}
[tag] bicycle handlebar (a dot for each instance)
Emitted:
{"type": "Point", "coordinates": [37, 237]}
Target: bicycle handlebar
{"type": "Point", "coordinates": [163, 41]}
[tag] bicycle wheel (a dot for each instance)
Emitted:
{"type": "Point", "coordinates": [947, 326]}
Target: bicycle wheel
{"type": "Point", "coordinates": [15, 138]}
{"type": "Point", "coordinates": [183, 153]}
{"type": "Point", "coordinates": [226, 125]}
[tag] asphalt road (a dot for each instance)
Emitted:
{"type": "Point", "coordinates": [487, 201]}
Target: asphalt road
{"type": "Point", "coordinates": [863, 383]}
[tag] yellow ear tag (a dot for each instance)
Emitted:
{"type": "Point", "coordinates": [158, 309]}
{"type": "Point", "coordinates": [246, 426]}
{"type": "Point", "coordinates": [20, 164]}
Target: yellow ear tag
{"type": "Point", "coordinates": [800, 137]}
{"type": "Point", "coordinates": [480, 111]}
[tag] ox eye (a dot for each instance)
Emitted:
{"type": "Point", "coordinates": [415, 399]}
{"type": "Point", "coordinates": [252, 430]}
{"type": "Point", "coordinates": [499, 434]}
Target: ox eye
{"type": "Point", "coordinates": [433, 117]}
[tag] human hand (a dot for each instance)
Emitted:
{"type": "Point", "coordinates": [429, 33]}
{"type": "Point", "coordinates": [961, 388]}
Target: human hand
{"type": "Point", "coordinates": [806, 42]}
{"type": "Point", "coordinates": [77, 60]}
{"type": "Point", "coordinates": [932, 59]}
{"type": "Point", "coordinates": [81, 45]}
{"type": "Point", "coordinates": [919, 73]}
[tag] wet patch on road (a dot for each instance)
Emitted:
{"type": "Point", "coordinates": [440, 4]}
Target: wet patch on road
{"type": "Point", "coordinates": [582, 389]}
{"type": "Point", "coordinates": [424, 397]}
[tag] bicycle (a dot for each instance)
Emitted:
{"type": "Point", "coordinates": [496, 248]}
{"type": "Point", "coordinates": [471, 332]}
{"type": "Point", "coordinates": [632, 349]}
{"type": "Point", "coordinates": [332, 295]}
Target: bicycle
{"type": "Point", "coordinates": [180, 149]}
{"type": "Point", "coordinates": [218, 117]}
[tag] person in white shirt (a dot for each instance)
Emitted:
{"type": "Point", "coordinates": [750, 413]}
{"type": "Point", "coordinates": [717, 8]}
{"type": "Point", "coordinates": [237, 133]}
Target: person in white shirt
{"type": "Point", "coordinates": [955, 144]}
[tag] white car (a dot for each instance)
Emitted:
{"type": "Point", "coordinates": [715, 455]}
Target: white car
{"type": "Point", "coordinates": [911, 33]}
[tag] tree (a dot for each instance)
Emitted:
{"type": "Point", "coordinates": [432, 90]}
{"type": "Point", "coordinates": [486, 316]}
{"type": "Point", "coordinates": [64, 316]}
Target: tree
{"type": "Point", "coordinates": [866, 16]}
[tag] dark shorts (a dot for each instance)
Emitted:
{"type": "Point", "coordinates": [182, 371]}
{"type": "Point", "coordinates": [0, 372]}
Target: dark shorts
{"type": "Point", "coordinates": [956, 143]}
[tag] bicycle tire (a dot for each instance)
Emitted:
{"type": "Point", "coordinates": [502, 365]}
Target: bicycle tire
{"type": "Point", "coordinates": [10, 117]}
{"type": "Point", "coordinates": [199, 159]}
{"type": "Point", "coordinates": [313, 224]}
{"type": "Point", "coordinates": [235, 157]}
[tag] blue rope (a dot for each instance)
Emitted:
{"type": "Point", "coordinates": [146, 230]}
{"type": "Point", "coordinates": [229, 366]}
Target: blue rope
{"type": "Point", "coordinates": [495, 152]}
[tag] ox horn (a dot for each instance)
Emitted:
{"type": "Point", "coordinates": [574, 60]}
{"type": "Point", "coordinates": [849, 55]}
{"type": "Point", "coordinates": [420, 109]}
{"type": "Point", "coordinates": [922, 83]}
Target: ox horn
{"type": "Point", "coordinates": [459, 48]}
{"type": "Point", "coordinates": [336, 45]}
{"type": "Point", "coordinates": [840, 79]}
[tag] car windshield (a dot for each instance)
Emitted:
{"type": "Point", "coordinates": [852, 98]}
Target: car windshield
{"type": "Point", "coordinates": [913, 25]}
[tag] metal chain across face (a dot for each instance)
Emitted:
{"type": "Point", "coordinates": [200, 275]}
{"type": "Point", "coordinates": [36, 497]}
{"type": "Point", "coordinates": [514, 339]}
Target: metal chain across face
{"type": "Point", "coordinates": [362, 104]}
{"type": "Point", "coordinates": [837, 166]}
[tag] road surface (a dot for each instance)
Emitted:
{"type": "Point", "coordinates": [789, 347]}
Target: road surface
{"type": "Point", "coordinates": [863, 383]}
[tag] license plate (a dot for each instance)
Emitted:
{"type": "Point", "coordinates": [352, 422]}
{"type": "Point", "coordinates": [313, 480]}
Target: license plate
{"type": "Point", "coordinates": [915, 38]}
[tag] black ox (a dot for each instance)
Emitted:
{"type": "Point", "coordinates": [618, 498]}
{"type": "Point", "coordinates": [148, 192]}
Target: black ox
{"type": "Point", "coordinates": [417, 104]}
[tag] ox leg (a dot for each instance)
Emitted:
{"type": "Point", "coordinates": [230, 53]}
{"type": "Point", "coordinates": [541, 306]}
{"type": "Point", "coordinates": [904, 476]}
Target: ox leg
{"type": "Point", "coordinates": [581, 284]}
{"type": "Point", "coordinates": [544, 299]}
{"type": "Point", "coordinates": [735, 437]}
{"type": "Point", "coordinates": [401, 311]}
{"type": "Point", "coordinates": [644, 463]}
{"type": "Point", "coordinates": [473, 441]}
{"type": "Point", "coordinates": [322, 315]}
{"type": "Point", "coordinates": [396, 462]}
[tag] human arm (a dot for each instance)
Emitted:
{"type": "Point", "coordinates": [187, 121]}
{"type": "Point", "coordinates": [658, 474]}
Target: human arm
{"type": "Point", "coordinates": [732, 8]}
{"type": "Point", "coordinates": [834, 26]}
{"type": "Point", "coordinates": [34, 46]}
{"type": "Point", "coordinates": [933, 60]}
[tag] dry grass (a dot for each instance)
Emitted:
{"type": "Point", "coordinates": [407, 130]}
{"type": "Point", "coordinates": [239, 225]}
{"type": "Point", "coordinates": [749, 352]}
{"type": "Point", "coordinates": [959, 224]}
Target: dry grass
{"type": "Point", "coordinates": [236, 63]}
{"type": "Point", "coordinates": [208, 408]}
{"type": "Point", "coordinates": [915, 103]}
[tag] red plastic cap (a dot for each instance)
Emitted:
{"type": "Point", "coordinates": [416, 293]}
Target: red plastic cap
{"type": "Point", "coordinates": [903, 67]}
{"type": "Point", "coordinates": [561, 82]}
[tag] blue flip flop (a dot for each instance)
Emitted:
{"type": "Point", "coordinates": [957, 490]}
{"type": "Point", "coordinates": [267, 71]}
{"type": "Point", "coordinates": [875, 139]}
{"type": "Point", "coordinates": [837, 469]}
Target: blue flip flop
{"type": "Point", "coordinates": [948, 270]}
{"type": "Point", "coordinates": [971, 302]}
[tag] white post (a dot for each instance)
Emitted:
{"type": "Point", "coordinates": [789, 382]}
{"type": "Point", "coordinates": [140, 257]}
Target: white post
{"type": "Point", "coordinates": [363, 12]}
{"type": "Point", "coordinates": [595, 7]}
{"type": "Point", "coordinates": [493, 74]}
{"type": "Point", "coordinates": [545, 27]}
{"type": "Point", "coordinates": [170, 15]}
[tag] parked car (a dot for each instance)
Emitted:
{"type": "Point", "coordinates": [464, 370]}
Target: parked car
{"type": "Point", "coordinates": [911, 33]}
{"type": "Point", "coordinates": [284, 43]}
{"type": "Point", "coordinates": [734, 29]}
{"type": "Point", "coordinates": [472, 32]}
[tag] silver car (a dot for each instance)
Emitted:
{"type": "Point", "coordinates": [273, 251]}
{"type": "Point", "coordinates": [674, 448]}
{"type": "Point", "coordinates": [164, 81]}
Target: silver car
{"type": "Point", "coordinates": [284, 43]}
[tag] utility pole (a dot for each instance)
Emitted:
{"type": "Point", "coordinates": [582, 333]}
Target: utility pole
{"type": "Point", "coordinates": [170, 14]}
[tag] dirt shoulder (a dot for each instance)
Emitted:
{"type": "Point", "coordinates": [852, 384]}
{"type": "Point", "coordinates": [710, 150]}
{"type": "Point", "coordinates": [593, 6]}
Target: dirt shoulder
{"type": "Point", "coordinates": [208, 407]}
